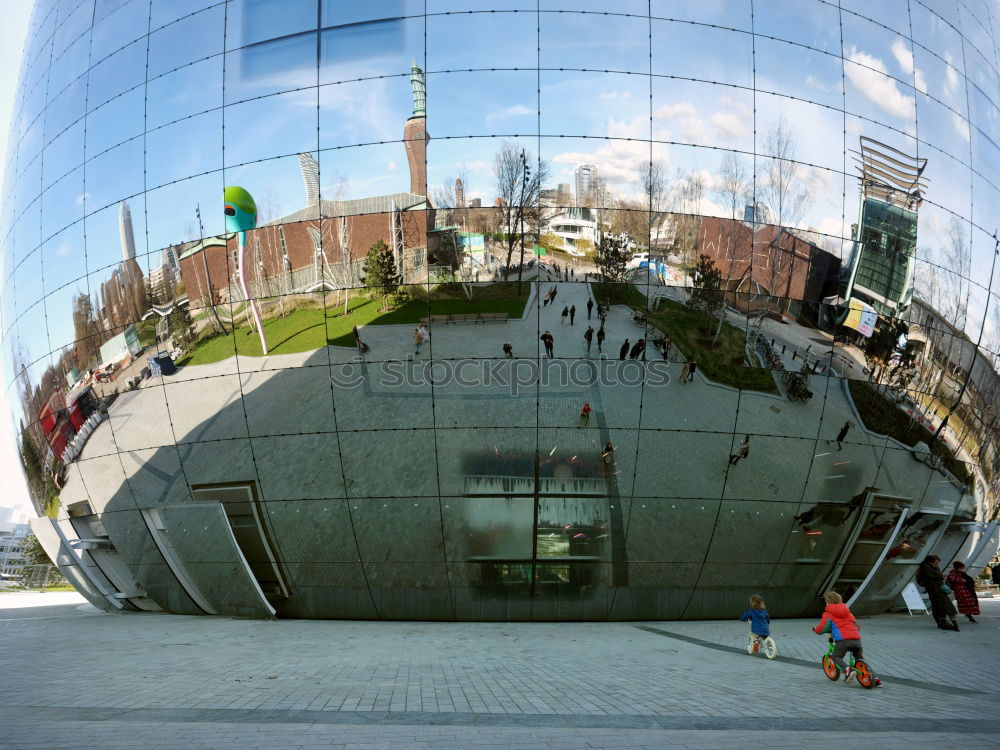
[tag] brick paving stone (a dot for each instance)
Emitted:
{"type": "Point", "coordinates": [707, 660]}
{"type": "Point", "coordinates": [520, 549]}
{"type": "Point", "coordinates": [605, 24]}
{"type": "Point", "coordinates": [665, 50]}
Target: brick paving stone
{"type": "Point", "coordinates": [433, 685]}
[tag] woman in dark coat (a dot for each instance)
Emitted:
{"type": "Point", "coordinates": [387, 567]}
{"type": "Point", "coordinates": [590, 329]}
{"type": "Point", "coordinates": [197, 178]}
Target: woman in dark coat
{"type": "Point", "coordinates": [965, 590]}
{"type": "Point", "coordinates": [930, 577]}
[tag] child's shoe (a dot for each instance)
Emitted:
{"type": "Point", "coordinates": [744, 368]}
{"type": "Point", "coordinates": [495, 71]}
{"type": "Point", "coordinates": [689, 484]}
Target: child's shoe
{"type": "Point", "coordinates": [849, 675]}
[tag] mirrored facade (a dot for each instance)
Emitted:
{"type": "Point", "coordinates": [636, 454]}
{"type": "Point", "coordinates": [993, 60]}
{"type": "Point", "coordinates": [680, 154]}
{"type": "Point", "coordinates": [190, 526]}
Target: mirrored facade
{"type": "Point", "coordinates": [419, 309]}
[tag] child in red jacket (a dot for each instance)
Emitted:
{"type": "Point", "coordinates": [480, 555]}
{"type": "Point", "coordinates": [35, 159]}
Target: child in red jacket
{"type": "Point", "coordinates": [839, 622]}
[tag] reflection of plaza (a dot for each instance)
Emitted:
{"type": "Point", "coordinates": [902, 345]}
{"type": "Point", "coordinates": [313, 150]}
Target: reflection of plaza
{"type": "Point", "coordinates": [773, 220]}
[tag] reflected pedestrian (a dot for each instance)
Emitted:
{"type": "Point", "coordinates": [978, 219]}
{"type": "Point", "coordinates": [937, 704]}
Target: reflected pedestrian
{"type": "Point", "coordinates": [692, 369]}
{"type": "Point", "coordinates": [636, 348]}
{"type": "Point", "coordinates": [964, 587]}
{"type": "Point", "coordinates": [623, 352]}
{"type": "Point", "coordinates": [608, 453]}
{"type": "Point", "coordinates": [685, 369]}
{"type": "Point", "coordinates": [590, 307]}
{"type": "Point", "coordinates": [585, 415]}
{"type": "Point", "coordinates": [842, 434]}
{"type": "Point", "coordinates": [418, 340]}
{"type": "Point", "coordinates": [742, 452]}
{"type": "Point", "coordinates": [565, 314]}
{"type": "Point", "coordinates": [554, 291]}
{"type": "Point", "coordinates": [508, 350]}
{"type": "Point", "coordinates": [588, 336]}
{"type": "Point", "coordinates": [548, 341]}
{"type": "Point", "coordinates": [572, 314]}
{"type": "Point", "coordinates": [600, 339]}
{"type": "Point", "coordinates": [362, 346]}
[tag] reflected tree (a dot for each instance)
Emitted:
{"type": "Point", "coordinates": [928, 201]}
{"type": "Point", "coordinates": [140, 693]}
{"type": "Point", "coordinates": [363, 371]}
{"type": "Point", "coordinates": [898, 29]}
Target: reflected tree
{"type": "Point", "coordinates": [706, 295]}
{"type": "Point", "coordinates": [380, 274]}
{"type": "Point", "coordinates": [612, 257]}
{"type": "Point", "coordinates": [518, 182]}
{"type": "Point", "coordinates": [688, 194]}
{"type": "Point", "coordinates": [780, 188]}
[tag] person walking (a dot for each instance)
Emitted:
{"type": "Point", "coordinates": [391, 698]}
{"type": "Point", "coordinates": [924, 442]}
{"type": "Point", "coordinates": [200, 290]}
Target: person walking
{"type": "Point", "coordinates": [554, 292]}
{"type": "Point", "coordinates": [362, 346]}
{"type": "Point", "coordinates": [931, 579]}
{"type": "Point", "coordinates": [548, 341]}
{"type": "Point", "coordinates": [585, 415]}
{"type": "Point", "coordinates": [508, 350]}
{"type": "Point", "coordinates": [692, 369]}
{"type": "Point", "coordinates": [425, 332]}
{"type": "Point", "coordinates": [588, 336]}
{"type": "Point", "coordinates": [600, 339]}
{"type": "Point", "coordinates": [418, 340]}
{"type": "Point", "coordinates": [964, 587]}
{"type": "Point", "coordinates": [636, 349]}
{"type": "Point", "coordinates": [742, 452]}
{"type": "Point", "coordinates": [572, 314]}
{"type": "Point", "coordinates": [545, 298]}
{"type": "Point", "coordinates": [608, 454]}
{"type": "Point", "coordinates": [685, 369]}
{"type": "Point", "coordinates": [842, 434]}
{"type": "Point", "coordinates": [565, 314]}
{"type": "Point", "coordinates": [623, 352]}
{"type": "Point", "coordinates": [590, 307]}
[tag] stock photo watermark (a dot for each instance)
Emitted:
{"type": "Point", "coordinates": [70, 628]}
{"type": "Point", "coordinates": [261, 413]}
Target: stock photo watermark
{"type": "Point", "coordinates": [511, 376]}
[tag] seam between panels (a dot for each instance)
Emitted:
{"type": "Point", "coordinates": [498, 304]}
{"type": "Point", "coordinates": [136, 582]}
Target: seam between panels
{"type": "Point", "coordinates": [739, 393]}
{"type": "Point", "coordinates": [430, 345]}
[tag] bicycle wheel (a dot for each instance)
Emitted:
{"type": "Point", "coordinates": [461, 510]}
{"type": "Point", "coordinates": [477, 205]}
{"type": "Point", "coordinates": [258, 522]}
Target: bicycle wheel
{"type": "Point", "coordinates": [830, 669]}
{"type": "Point", "coordinates": [863, 674]}
{"type": "Point", "coordinates": [750, 643]}
{"type": "Point", "coordinates": [770, 648]}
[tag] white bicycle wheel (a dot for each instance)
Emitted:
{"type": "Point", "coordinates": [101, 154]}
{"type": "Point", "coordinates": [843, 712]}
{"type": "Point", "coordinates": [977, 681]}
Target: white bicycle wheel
{"type": "Point", "coordinates": [750, 643]}
{"type": "Point", "coordinates": [770, 648]}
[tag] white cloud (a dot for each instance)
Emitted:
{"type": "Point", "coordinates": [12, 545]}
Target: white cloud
{"type": "Point", "coordinates": [478, 166]}
{"type": "Point", "coordinates": [81, 198]}
{"type": "Point", "coordinates": [728, 124]}
{"type": "Point", "coordinates": [392, 166]}
{"type": "Point", "coordinates": [950, 75]}
{"type": "Point", "coordinates": [904, 56]}
{"type": "Point", "coordinates": [516, 110]}
{"type": "Point", "coordinates": [607, 95]}
{"type": "Point", "coordinates": [739, 107]}
{"type": "Point", "coordinates": [961, 125]}
{"type": "Point", "coordinates": [63, 250]}
{"type": "Point", "coordinates": [871, 77]}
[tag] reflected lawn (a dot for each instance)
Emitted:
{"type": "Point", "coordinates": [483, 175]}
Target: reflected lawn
{"type": "Point", "coordinates": [309, 328]}
{"type": "Point", "coordinates": [722, 360]}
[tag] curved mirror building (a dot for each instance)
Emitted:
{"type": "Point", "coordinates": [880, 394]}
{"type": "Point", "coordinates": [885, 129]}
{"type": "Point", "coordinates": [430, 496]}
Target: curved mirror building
{"type": "Point", "coordinates": [551, 310]}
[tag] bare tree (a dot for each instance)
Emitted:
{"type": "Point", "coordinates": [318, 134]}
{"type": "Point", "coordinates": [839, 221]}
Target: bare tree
{"type": "Point", "coordinates": [688, 194]}
{"type": "Point", "coordinates": [780, 188]}
{"type": "Point", "coordinates": [653, 188]}
{"type": "Point", "coordinates": [778, 184]}
{"type": "Point", "coordinates": [733, 190]}
{"type": "Point", "coordinates": [518, 181]}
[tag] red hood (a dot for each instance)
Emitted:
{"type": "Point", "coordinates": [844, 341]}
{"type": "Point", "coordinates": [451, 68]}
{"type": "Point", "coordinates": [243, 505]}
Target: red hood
{"type": "Point", "coordinates": [838, 611]}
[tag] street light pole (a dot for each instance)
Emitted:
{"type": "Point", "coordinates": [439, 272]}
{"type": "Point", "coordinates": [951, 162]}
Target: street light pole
{"type": "Point", "coordinates": [525, 174]}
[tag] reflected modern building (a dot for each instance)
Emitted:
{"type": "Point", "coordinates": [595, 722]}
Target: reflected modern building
{"type": "Point", "coordinates": [432, 433]}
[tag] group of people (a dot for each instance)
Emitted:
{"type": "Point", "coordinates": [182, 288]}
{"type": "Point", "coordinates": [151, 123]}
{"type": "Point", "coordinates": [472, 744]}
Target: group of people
{"type": "Point", "coordinates": [940, 587]}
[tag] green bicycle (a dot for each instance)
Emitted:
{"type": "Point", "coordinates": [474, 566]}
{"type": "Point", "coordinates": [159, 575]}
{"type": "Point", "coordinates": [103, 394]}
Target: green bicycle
{"type": "Point", "coordinates": [862, 672]}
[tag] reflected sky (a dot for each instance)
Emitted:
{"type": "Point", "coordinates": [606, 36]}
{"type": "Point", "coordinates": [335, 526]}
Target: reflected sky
{"type": "Point", "coordinates": [107, 111]}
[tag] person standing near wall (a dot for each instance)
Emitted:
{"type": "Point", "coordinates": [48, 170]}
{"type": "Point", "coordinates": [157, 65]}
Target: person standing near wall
{"type": "Point", "coordinates": [931, 579]}
{"type": "Point", "coordinates": [964, 587]}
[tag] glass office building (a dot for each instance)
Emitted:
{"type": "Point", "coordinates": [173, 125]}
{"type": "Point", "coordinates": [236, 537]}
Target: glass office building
{"type": "Point", "coordinates": [293, 324]}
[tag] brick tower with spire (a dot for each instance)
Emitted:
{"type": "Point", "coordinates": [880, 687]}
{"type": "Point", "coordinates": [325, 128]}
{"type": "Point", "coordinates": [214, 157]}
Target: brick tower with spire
{"type": "Point", "coordinates": [415, 133]}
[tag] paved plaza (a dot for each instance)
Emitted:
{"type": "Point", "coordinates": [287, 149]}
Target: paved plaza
{"type": "Point", "coordinates": [74, 677]}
